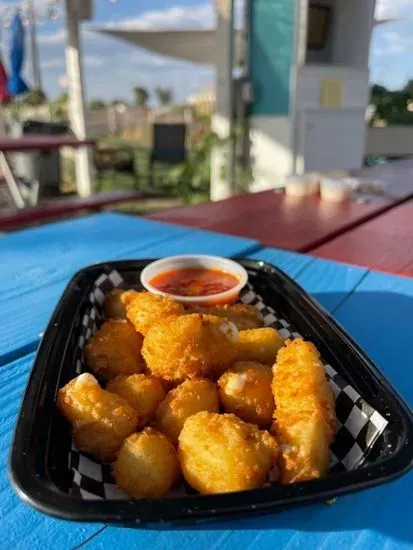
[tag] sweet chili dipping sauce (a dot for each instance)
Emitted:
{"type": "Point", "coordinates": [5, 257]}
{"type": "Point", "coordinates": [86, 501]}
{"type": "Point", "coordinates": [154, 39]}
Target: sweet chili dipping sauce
{"type": "Point", "coordinates": [194, 282]}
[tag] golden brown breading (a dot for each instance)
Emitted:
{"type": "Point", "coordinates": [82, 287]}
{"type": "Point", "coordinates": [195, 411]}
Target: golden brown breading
{"type": "Point", "coordinates": [101, 420]}
{"type": "Point", "coordinates": [190, 397]}
{"type": "Point", "coordinates": [147, 465]}
{"type": "Point", "coordinates": [115, 349]}
{"type": "Point", "coordinates": [113, 306]}
{"type": "Point", "coordinates": [305, 420]}
{"type": "Point", "coordinates": [143, 309]}
{"type": "Point", "coordinates": [259, 344]}
{"type": "Point", "coordinates": [189, 346]}
{"type": "Point", "coordinates": [219, 453]}
{"type": "Point", "coordinates": [143, 393]}
{"type": "Point", "coordinates": [243, 316]}
{"type": "Point", "coordinates": [245, 390]}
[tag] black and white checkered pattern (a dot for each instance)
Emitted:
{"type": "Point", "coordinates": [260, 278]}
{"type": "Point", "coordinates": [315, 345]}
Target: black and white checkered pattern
{"type": "Point", "coordinates": [359, 425]}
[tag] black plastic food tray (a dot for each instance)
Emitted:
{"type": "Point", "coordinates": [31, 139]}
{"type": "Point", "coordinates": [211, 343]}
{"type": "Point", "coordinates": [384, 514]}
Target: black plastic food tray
{"type": "Point", "coordinates": [38, 464]}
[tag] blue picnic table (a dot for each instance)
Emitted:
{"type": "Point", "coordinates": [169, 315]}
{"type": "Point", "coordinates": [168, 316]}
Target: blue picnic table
{"type": "Point", "coordinates": [375, 308]}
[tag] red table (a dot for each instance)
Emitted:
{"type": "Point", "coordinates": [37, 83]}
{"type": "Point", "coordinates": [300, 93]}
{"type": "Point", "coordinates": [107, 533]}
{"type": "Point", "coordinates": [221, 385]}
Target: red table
{"type": "Point", "coordinates": [24, 144]}
{"type": "Point", "coordinates": [384, 243]}
{"type": "Point", "coordinates": [42, 143]}
{"type": "Point", "coordinates": [277, 220]}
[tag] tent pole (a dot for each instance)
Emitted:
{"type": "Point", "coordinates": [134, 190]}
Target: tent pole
{"type": "Point", "coordinates": [222, 120]}
{"type": "Point", "coordinates": [37, 83]}
{"type": "Point", "coordinates": [77, 115]}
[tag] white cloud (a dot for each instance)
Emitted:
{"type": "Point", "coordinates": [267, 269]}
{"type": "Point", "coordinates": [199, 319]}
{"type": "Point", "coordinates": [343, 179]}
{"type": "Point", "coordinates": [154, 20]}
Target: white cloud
{"type": "Point", "coordinates": [90, 61]}
{"type": "Point", "coordinates": [202, 15]}
{"type": "Point", "coordinates": [52, 63]}
{"type": "Point", "coordinates": [395, 43]}
{"type": "Point", "coordinates": [57, 37]}
{"type": "Point", "coordinates": [393, 8]}
{"type": "Point", "coordinates": [41, 7]}
{"type": "Point", "coordinates": [93, 61]}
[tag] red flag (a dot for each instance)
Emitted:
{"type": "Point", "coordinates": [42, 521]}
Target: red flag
{"type": "Point", "coordinates": [4, 96]}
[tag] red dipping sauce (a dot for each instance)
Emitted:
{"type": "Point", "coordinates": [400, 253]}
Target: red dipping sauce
{"type": "Point", "coordinates": [194, 282]}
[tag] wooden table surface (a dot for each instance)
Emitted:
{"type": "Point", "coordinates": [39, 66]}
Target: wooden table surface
{"type": "Point", "coordinates": [297, 224]}
{"type": "Point", "coordinates": [36, 266]}
{"type": "Point", "coordinates": [41, 143]}
{"type": "Point", "coordinates": [384, 243]}
{"type": "Point", "coordinates": [276, 219]}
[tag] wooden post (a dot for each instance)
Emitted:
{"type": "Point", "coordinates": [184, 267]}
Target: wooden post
{"type": "Point", "coordinates": [222, 118]}
{"type": "Point", "coordinates": [77, 116]}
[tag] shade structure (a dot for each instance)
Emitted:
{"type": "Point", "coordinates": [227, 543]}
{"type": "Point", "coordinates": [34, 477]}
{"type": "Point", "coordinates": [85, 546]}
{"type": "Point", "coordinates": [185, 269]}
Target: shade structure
{"type": "Point", "coordinates": [196, 45]}
{"type": "Point", "coordinates": [16, 84]}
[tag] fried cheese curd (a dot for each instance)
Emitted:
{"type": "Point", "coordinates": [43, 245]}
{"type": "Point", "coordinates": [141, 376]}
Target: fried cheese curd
{"type": "Point", "coordinates": [245, 390]}
{"type": "Point", "coordinates": [113, 306]}
{"type": "Point", "coordinates": [100, 420]}
{"type": "Point", "coordinates": [219, 453]}
{"type": "Point", "coordinates": [305, 419]}
{"type": "Point", "coordinates": [243, 316]}
{"type": "Point", "coordinates": [147, 465]}
{"type": "Point", "coordinates": [260, 344]}
{"type": "Point", "coordinates": [143, 309]}
{"type": "Point", "coordinates": [114, 349]}
{"type": "Point", "coordinates": [189, 346]}
{"type": "Point", "coordinates": [143, 393]}
{"type": "Point", "coordinates": [190, 397]}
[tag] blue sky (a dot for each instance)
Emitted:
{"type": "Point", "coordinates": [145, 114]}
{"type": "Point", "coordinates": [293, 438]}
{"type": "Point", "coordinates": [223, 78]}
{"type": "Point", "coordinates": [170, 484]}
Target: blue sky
{"type": "Point", "coordinates": [112, 68]}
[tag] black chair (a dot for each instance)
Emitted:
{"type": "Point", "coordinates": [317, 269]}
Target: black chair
{"type": "Point", "coordinates": [169, 146]}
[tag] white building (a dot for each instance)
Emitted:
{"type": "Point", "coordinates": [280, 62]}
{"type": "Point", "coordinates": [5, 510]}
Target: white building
{"type": "Point", "coordinates": [310, 70]}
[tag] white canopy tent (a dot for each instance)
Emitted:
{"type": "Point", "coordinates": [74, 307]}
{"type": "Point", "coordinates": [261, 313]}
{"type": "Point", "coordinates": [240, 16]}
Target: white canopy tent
{"type": "Point", "coordinates": [195, 45]}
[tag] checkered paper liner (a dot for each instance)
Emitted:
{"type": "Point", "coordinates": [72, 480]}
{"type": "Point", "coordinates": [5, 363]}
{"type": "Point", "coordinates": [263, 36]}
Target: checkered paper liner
{"type": "Point", "coordinates": [359, 425]}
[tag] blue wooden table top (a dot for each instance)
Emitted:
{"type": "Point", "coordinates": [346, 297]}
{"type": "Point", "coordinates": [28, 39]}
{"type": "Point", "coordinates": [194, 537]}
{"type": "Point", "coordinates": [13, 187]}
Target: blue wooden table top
{"type": "Point", "coordinates": [36, 266]}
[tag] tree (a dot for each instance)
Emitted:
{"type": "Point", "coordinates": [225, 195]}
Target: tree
{"type": "Point", "coordinates": [164, 95]}
{"type": "Point", "coordinates": [60, 105]}
{"type": "Point", "coordinates": [392, 107]}
{"type": "Point", "coordinates": [63, 98]}
{"type": "Point", "coordinates": [378, 91]}
{"type": "Point", "coordinates": [96, 104]}
{"type": "Point", "coordinates": [35, 98]}
{"type": "Point", "coordinates": [408, 89]}
{"type": "Point", "coordinates": [141, 96]}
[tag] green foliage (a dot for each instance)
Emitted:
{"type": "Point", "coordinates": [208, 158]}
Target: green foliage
{"type": "Point", "coordinates": [193, 177]}
{"type": "Point", "coordinates": [59, 106]}
{"type": "Point", "coordinates": [96, 104]}
{"type": "Point", "coordinates": [35, 98]}
{"type": "Point", "coordinates": [243, 174]}
{"type": "Point", "coordinates": [63, 98]}
{"type": "Point", "coordinates": [115, 102]}
{"type": "Point", "coordinates": [392, 107]}
{"type": "Point", "coordinates": [141, 96]}
{"type": "Point", "coordinates": [164, 95]}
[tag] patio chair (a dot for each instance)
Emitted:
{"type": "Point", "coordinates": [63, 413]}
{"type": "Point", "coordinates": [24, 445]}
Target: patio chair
{"type": "Point", "coordinates": [169, 146]}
